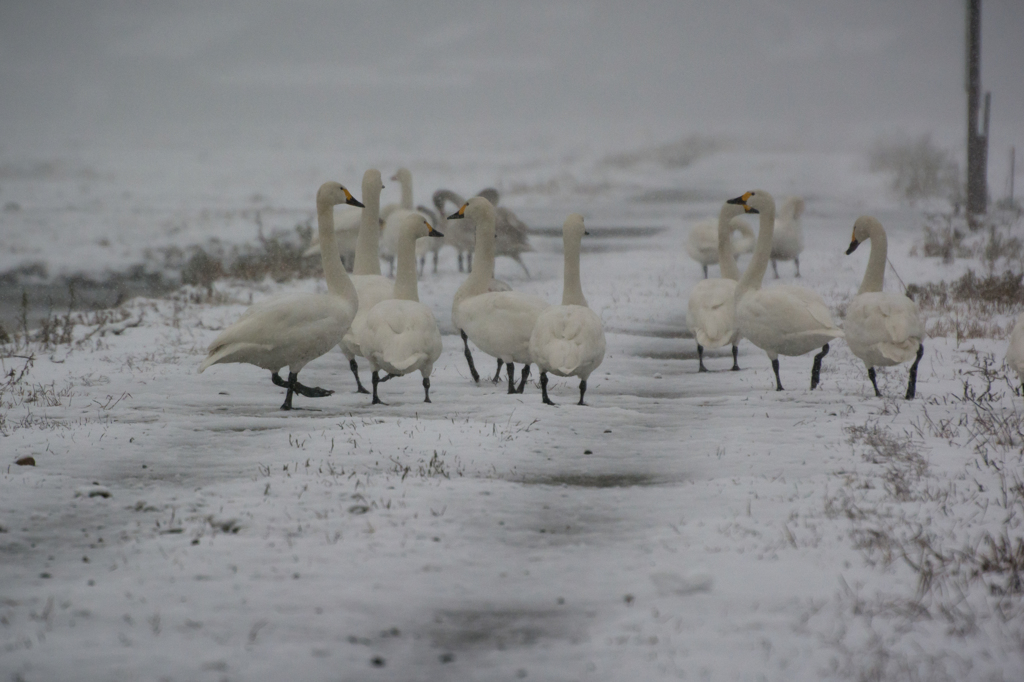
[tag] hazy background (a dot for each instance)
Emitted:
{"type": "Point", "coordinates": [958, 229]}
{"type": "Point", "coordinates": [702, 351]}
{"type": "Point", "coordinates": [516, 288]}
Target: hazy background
{"type": "Point", "coordinates": [545, 77]}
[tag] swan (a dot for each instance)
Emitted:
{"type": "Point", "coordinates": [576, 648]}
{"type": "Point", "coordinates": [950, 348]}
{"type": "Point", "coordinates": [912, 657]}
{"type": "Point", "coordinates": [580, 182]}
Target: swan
{"type": "Point", "coordinates": [711, 312]}
{"type": "Point", "coordinates": [568, 339]}
{"type": "Point", "coordinates": [702, 242]}
{"type": "Point", "coordinates": [400, 334]}
{"type": "Point", "coordinates": [371, 286]}
{"type": "Point", "coordinates": [426, 245]}
{"type": "Point", "coordinates": [788, 240]}
{"type": "Point", "coordinates": [346, 230]}
{"type": "Point", "coordinates": [294, 329]}
{"type": "Point", "coordinates": [498, 322]}
{"type": "Point", "coordinates": [882, 329]}
{"type": "Point", "coordinates": [1015, 351]}
{"type": "Point", "coordinates": [461, 236]}
{"type": "Point", "coordinates": [785, 319]}
{"type": "Point", "coordinates": [393, 215]}
{"type": "Point", "coordinates": [513, 235]}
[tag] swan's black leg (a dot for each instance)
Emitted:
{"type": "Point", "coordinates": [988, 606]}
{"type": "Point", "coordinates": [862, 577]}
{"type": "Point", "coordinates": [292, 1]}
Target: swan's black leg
{"type": "Point", "coordinates": [778, 381]}
{"type": "Point", "coordinates": [469, 262]}
{"type": "Point", "coordinates": [354, 366]}
{"type": "Point", "coordinates": [435, 262]}
{"type": "Point", "coordinates": [735, 358]}
{"type": "Point", "coordinates": [391, 266]}
{"type": "Point", "coordinates": [278, 381]}
{"type": "Point", "coordinates": [523, 266]}
{"type": "Point", "coordinates": [583, 389]}
{"type": "Point", "coordinates": [426, 389]}
{"type": "Point", "coordinates": [544, 388]}
{"type": "Point", "coordinates": [469, 358]}
{"type": "Point", "coordinates": [912, 382]}
{"type": "Point", "coordinates": [700, 358]}
{"type": "Point", "coordinates": [816, 368]}
{"type": "Point", "coordinates": [871, 375]}
{"type": "Point", "coordinates": [423, 265]}
{"type": "Point", "coordinates": [775, 269]}
{"type": "Point", "coordinates": [525, 376]}
{"type": "Point", "coordinates": [705, 272]}
{"type": "Point", "coordinates": [460, 262]}
{"type": "Point", "coordinates": [376, 380]}
{"type": "Point", "coordinates": [797, 261]}
{"type": "Point", "coordinates": [497, 374]}
{"type": "Point", "coordinates": [511, 369]}
{"type": "Point", "coordinates": [292, 378]}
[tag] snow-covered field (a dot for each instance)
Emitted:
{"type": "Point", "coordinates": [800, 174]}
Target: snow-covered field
{"type": "Point", "coordinates": [683, 526]}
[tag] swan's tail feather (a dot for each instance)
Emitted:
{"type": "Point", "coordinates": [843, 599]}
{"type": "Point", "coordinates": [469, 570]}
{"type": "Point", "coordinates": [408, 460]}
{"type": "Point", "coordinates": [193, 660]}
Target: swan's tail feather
{"type": "Point", "coordinates": [232, 352]}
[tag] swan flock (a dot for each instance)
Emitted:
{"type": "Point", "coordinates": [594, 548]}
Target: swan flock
{"type": "Point", "coordinates": [382, 321]}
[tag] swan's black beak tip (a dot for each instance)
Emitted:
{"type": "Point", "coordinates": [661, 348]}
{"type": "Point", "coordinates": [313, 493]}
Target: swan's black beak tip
{"type": "Point", "coordinates": [853, 247]}
{"type": "Point", "coordinates": [751, 209]}
{"type": "Point", "coordinates": [434, 233]}
{"type": "Point", "coordinates": [455, 216]}
{"type": "Point", "coordinates": [352, 201]}
{"type": "Point", "coordinates": [738, 200]}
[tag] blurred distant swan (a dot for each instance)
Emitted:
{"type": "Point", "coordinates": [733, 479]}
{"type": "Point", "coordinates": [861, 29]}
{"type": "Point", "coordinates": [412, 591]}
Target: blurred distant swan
{"type": "Point", "coordinates": [400, 334]}
{"type": "Point", "coordinates": [882, 328]}
{"type": "Point", "coordinates": [568, 339]}
{"type": "Point", "coordinates": [788, 242]}
{"type": "Point", "coordinates": [393, 215]}
{"type": "Point", "coordinates": [513, 235]}
{"type": "Point", "coordinates": [784, 319]}
{"type": "Point", "coordinates": [294, 329]}
{"type": "Point", "coordinates": [711, 312]}
{"type": "Point", "coordinates": [499, 323]}
{"type": "Point", "coordinates": [702, 242]}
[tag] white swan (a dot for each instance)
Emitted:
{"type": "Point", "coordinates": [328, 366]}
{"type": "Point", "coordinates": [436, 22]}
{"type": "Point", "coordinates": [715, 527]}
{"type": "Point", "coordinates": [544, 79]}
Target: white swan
{"type": "Point", "coordinates": [294, 329]}
{"type": "Point", "coordinates": [1015, 350]}
{"type": "Point", "coordinates": [393, 216]}
{"type": "Point", "coordinates": [788, 239]}
{"type": "Point", "coordinates": [702, 242]}
{"type": "Point", "coordinates": [371, 286]}
{"type": "Point", "coordinates": [400, 334]}
{"type": "Point", "coordinates": [882, 329]}
{"type": "Point", "coordinates": [346, 231]}
{"type": "Point", "coordinates": [499, 323]}
{"type": "Point", "coordinates": [568, 339]}
{"type": "Point", "coordinates": [782, 320]}
{"type": "Point", "coordinates": [711, 312]}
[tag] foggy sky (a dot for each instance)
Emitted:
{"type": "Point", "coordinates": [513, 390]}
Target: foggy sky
{"type": "Point", "coordinates": [605, 75]}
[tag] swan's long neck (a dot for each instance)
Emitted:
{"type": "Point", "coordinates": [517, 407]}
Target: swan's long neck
{"type": "Point", "coordinates": [338, 282]}
{"type": "Point", "coordinates": [874, 276]}
{"type": "Point", "coordinates": [726, 257]}
{"type": "Point", "coordinates": [406, 287]}
{"type": "Point", "coordinates": [754, 274]}
{"type": "Point", "coordinates": [483, 256]}
{"type": "Point", "coordinates": [572, 289]}
{"type": "Point", "coordinates": [368, 240]}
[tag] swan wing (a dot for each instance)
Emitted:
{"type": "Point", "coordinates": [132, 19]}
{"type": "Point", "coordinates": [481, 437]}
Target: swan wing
{"type": "Point", "coordinates": [884, 323]}
{"type": "Point", "coordinates": [568, 340]}
{"type": "Point", "coordinates": [401, 336]}
{"type": "Point", "coordinates": [711, 313]}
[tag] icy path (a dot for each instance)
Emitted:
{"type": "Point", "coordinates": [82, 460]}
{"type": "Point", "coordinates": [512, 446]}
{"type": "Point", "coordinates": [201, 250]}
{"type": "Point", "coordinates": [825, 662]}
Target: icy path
{"type": "Point", "coordinates": [182, 527]}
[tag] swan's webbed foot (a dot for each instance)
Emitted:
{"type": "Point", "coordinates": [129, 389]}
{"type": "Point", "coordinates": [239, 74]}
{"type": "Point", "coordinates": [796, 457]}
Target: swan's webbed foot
{"type": "Point", "coordinates": [871, 375]}
{"type": "Point", "coordinates": [522, 381]}
{"type": "Point", "coordinates": [735, 358]}
{"type": "Point", "coordinates": [778, 381]}
{"type": "Point", "coordinates": [355, 372]}
{"type": "Point", "coordinates": [583, 389]}
{"type": "Point", "coordinates": [426, 389]}
{"type": "Point", "coordinates": [376, 380]}
{"type": "Point", "coordinates": [912, 381]}
{"type": "Point", "coordinates": [497, 373]}
{"type": "Point", "coordinates": [700, 358]}
{"type": "Point", "coordinates": [816, 368]}
{"type": "Point", "coordinates": [469, 358]}
{"type": "Point", "coordinates": [312, 391]}
{"type": "Point", "coordinates": [511, 369]}
{"type": "Point", "coordinates": [544, 388]}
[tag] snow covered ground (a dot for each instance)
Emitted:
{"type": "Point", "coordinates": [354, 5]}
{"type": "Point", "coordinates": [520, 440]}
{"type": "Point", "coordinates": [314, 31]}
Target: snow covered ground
{"type": "Point", "coordinates": [683, 526]}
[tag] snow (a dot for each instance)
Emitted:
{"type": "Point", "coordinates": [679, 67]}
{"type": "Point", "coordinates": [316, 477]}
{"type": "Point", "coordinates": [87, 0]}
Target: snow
{"type": "Point", "coordinates": [683, 526]}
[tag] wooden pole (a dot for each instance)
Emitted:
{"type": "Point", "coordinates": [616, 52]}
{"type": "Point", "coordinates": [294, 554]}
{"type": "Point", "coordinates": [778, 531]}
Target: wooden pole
{"type": "Point", "coordinates": [977, 142]}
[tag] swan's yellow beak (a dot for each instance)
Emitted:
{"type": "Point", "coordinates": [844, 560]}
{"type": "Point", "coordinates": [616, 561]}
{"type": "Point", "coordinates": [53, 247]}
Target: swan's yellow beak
{"type": "Point", "coordinates": [431, 232]}
{"type": "Point", "coordinates": [351, 200]}
{"type": "Point", "coordinates": [461, 213]}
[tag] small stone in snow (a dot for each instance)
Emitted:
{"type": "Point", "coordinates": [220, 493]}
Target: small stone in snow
{"type": "Point", "coordinates": [628, 599]}
{"type": "Point", "coordinates": [25, 461]}
{"type": "Point", "coordinates": [446, 657]}
{"type": "Point", "coordinates": [658, 375]}
{"type": "Point", "coordinates": [588, 452]}
{"type": "Point", "coordinates": [378, 661]}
